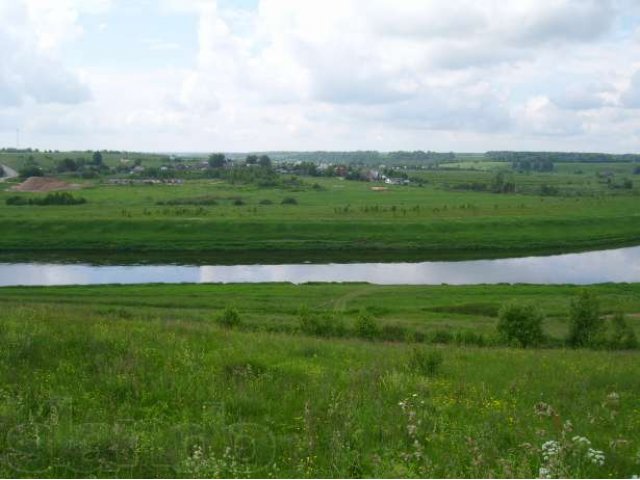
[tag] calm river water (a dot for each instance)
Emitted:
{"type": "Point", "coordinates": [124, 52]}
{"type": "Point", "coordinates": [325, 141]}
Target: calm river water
{"type": "Point", "coordinates": [619, 265]}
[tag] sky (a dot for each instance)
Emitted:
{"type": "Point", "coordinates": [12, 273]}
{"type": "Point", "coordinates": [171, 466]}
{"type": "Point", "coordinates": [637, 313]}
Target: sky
{"type": "Point", "coordinates": [259, 75]}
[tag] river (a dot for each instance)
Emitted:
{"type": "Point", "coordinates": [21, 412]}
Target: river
{"type": "Point", "coordinates": [617, 265]}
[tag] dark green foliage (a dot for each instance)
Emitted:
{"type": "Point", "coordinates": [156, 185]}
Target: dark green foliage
{"type": "Point", "coordinates": [425, 361]}
{"type": "Point", "coordinates": [366, 326]}
{"type": "Point", "coordinates": [264, 161]}
{"type": "Point", "coordinates": [521, 323]}
{"type": "Point", "coordinates": [238, 202]}
{"type": "Point", "coordinates": [289, 201]}
{"type": "Point", "coordinates": [57, 198]}
{"type": "Point", "coordinates": [97, 158]}
{"type": "Point", "coordinates": [621, 335]}
{"type": "Point", "coordinates": [266, 201]}
{"type": "Point", "coordinates": [502, 185]}
{"type": "Point", "coordinates": [230, 318]}
{"type": "Point", "coordinates": [585, 324]}
{"type": "Point", "coordinates": [30, 171]}
{"type": "Point", "coordinates": [67, 165]}
{"type": "Point", "coordinates": [217, 160]}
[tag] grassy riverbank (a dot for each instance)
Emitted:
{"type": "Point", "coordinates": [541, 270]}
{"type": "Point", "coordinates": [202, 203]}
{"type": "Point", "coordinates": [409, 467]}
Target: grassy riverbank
{"type": "Point", "coordinates": [334, 217]}
{"type": "Point", "coordinates": [142, 381]}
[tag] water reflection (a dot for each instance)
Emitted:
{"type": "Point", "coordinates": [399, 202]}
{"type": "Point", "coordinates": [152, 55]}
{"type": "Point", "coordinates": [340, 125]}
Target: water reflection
{"type": "Point", "coordinates": [620, 265]}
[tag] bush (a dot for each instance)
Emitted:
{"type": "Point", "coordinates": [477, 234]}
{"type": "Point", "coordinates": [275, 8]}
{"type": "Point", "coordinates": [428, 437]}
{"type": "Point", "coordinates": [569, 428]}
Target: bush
{"type": "Point", "coordinates": [521, 324]}
{"type": "Point", "coordinates": [327, 325]}
{"type": "Point", "coordinates": [366, 326]}
{"type": "Point", "coordinates": [266, 201]}
{"type": "Point", "coordinates": [230, 318]}
{"type": "Point", "coordinates": [585, 324]}
{"type": "Point", "coordinates": [289, 201]}
{"type": "Point", "coordinates": [622, 335]}
{"type": "Point", "coordinates": [30, 171]}
{"type": "Point", "coordinates": [238, 202]}
{"type": "Point", "coordinates": [57, 198]}
{"type": "Point", "coordinates": [425, 362]}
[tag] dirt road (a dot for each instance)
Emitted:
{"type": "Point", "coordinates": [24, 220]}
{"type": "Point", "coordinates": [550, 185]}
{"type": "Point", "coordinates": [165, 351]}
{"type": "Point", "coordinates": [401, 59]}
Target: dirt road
{"type": "Point", "coordinates": [8, 173]}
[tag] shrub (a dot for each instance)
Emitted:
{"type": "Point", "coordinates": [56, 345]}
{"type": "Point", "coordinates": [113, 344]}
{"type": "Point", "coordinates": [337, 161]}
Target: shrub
{"type": "Point", "coordinates": [622, 335]}
{"type": "Point", "coordinates": [289, 201]}
{"type": "Point", "coordinates": [266, 201]}
{"type": "Point", "coordinates": [58, 198]}
{"type": "Point", "coordinates": [327, 325]}
{"type": "Point", "coordinates": [30, 171]}
{"type": "Point", "coordinates": [366, 326]}
{"type": "Point", "coordinates": [238, 202]}
{"type": "Point", "coordinates": [585, 324]}
{"type": "Point", "coordinates": [425, 362]}
{"type": "Point", "coordinates": [521, 324]}
{"type": "Point", "coordinates": [229, 318]}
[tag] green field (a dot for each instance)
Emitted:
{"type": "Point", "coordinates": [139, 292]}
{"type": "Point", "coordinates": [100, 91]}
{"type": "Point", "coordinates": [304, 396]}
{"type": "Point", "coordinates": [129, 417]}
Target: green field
{"type": "Point", "coordinates": [143, 382]}
{"type": "Point", "coordinates": [437, 216]}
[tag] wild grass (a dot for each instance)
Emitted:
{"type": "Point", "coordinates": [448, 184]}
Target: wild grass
{"type": "Point", "coordinates": [130, 382]}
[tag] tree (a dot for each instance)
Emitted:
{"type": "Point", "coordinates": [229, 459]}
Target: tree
{"type": "Point", "coordinates": [97, 158]}
{"type": "Point", "coordinates": [265, 161]}
{"type": "Point", "coordinates": [30, 171]}
{"type": "Point", "coordinates": [585, 324]}
{"type": "Point", "coordinates": [217, 160]}
{"type": "Point", "coordinates": [521, 324]}
{"type": "Point", "coordinates": [67, 165]}
{"type": "Point", "coordinates": [251, 159]}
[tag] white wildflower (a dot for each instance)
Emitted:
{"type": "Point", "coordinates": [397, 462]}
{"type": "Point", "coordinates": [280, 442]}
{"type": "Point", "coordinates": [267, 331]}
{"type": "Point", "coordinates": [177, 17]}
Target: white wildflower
{"type": "Point", "coordinates": [595, 456]}
{"type": "Point", "coordinates": [582, 441]}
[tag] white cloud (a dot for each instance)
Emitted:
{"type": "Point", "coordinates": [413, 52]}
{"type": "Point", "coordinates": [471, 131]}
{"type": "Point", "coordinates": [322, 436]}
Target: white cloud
{"type": "Point", "coordinates": [339, 74]}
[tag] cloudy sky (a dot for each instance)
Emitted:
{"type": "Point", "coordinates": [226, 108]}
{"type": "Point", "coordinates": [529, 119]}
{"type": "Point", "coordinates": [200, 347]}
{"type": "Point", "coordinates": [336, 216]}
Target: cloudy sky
{"type": "Point", "coordinates": [240, 75]}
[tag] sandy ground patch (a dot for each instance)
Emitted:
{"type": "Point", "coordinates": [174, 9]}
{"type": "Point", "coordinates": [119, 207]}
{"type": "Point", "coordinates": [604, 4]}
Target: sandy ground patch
{"type": "Point", "coordinates": [43, 184]}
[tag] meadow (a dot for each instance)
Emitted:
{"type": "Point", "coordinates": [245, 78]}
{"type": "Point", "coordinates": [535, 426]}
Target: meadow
{"type": "Point", "coordinates": [146, 381]}
{"type": "Point", "coordinates": [439, 215]}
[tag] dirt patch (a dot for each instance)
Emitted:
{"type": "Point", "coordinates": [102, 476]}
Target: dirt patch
{"type": "Point", "coordinates": [379, 189]}
{"type": "Point", "coordinates": [43, 184]}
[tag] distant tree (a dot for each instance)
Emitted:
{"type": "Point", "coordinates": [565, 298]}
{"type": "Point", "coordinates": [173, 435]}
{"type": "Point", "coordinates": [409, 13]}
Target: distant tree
{"type": "Point", "coordinates": [2, 174]}
{"type": "Point", "coordinates": [264, 161]}
{"type": "Point", "coordinates": [30, 171]}
{"type": "Point", "coordinates": [97, 158]}
{"type": "Point", "coordinates": [251, 159]}
{"type": "Point", "coordinates": [521, 323]}
{"type": "Point", "coordinates": [217, 160]}
{"type": "Point", "coordinates": [67, 165]}
{"type": "Point", "coordinates": [585, 325]}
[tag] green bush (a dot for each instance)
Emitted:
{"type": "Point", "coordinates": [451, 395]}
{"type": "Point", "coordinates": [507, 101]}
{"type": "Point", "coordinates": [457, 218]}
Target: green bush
{"type": "Point", "coordinates": [289, 201]}
{"type": "Point", "coordinates": [585, 325]}
{"type": "Point", "coordinates": [266, 201]}
{"type": "Point", "coordinates": [366, 326]}
{"type": "Point", "coordinates": [521, 324]}
{"type": "Point", "coordinates": [230, 318]}
{"type": "Point", "coordinates": [326, 325]}
{"type": "Point", "coordinates": [425, 362]}
{"type": "Point", "coordinates": [621, 335]}
{"type": "Point", "coordinates": [57, 198]}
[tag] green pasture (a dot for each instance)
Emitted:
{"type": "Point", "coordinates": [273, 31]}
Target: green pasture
{"type": "Point", "coordinates": [143, 382]}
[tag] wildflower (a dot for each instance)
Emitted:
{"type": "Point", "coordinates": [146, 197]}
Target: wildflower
{"type": "Point", "coordinates": [582, 441]}
{"type": "Point", "coordinates": [595, 456]}
{"type": "Point", "coordinates": [550, 449]}
{"type": "Point", "coordinates": [544, 472]}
